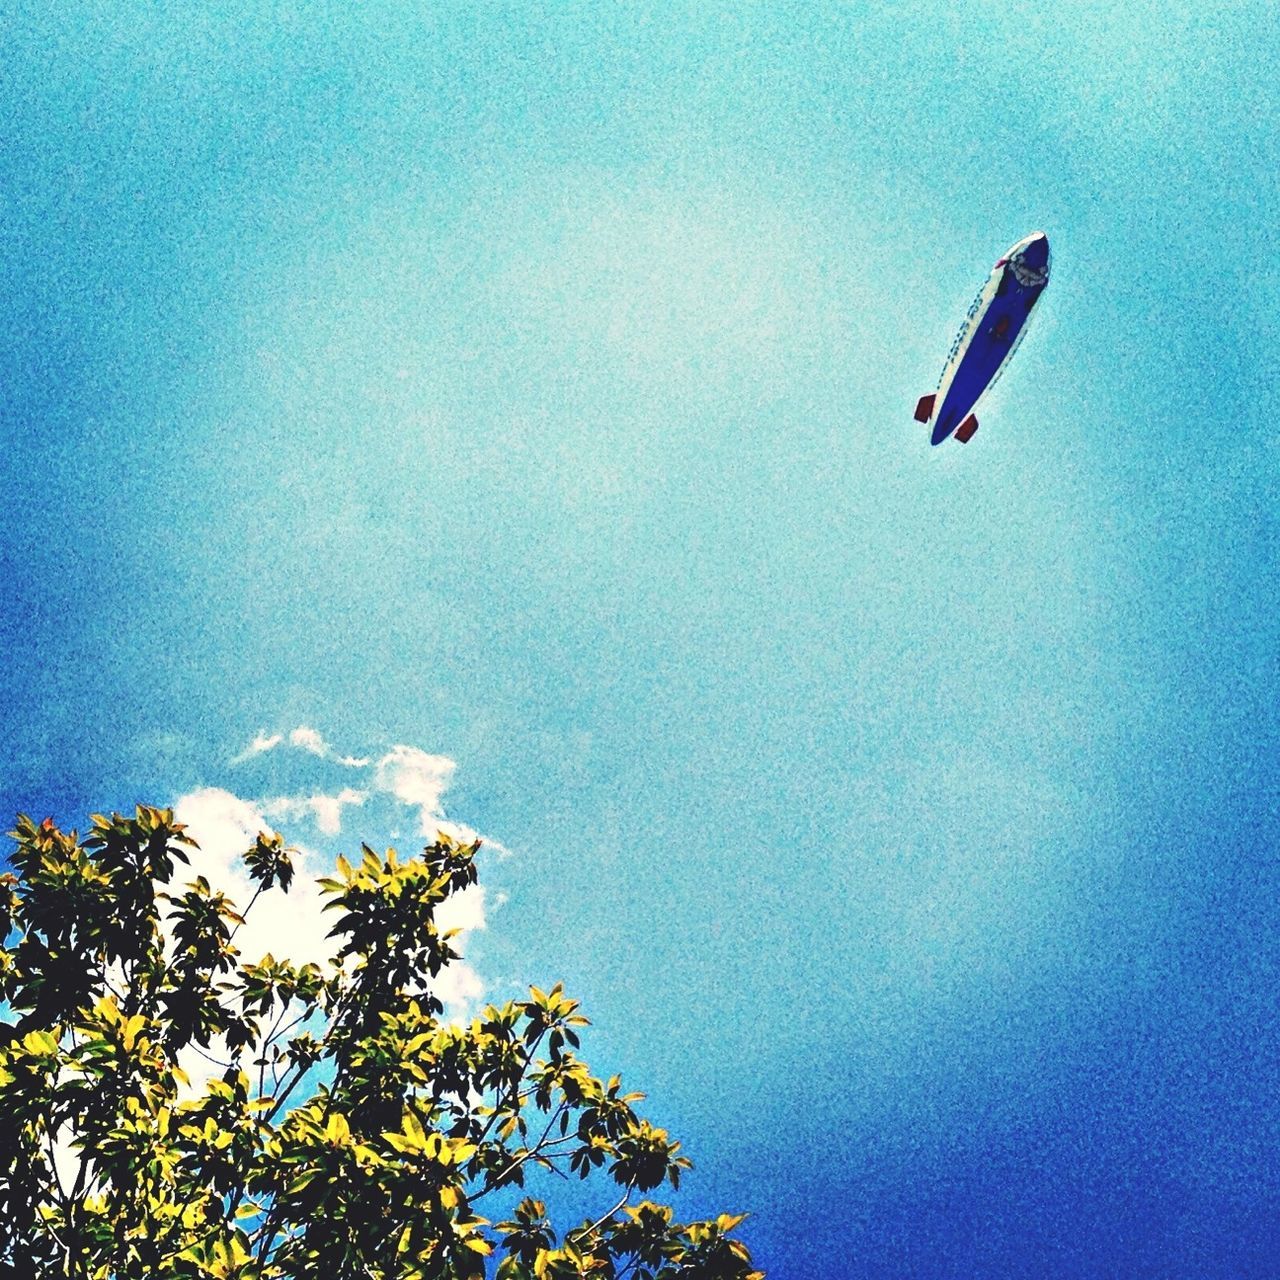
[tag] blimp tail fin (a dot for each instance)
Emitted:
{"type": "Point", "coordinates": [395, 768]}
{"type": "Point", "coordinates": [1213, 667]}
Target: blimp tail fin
{"type": "Point", "coordinates": [924, 409]}
{"type": "Point", "coordinates": [964, 432]}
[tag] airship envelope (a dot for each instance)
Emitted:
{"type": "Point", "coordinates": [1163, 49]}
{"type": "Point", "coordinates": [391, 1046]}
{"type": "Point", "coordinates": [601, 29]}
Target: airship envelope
{"type": "Point", "coordinates": [994, 326]}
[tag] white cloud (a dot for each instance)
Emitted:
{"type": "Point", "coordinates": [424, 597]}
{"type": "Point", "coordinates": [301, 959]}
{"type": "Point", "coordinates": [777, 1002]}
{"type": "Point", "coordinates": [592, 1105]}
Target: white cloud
{"type": "Point", "coordinates": [464, 910]}
{"type": "Point", "coordinates": [417, 779]}
{"type": "Point", "coordinates": [305, 738]}
{"type": "Point", "coordinates": [66, 1158]}
{"type": "Point", "coordinates": [328, 809]}
{"type": "Point", "coordinates": [263, 742]}
{"type": "Point", "coordinates": [464, 834]}
{"type": "Point", "coordinates": [286, 808]}
{"type": "Point", "coordinates": [460, 988]}
{"type": "Point", "coordinates": [325, 809]}
{"type": "Point", "coordinates": [309, 740]}
{"type": "Point", "coordinates": [202, 1066]}
{"type": "Point", "coordinates": [291, 925]}
{"type": "Point", "coordinates": [286, 925]}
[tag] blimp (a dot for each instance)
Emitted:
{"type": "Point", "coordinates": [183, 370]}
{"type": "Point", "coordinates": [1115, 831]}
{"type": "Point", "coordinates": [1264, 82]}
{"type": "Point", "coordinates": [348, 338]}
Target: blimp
{"type": "Point", "coordinates": [995, 324]}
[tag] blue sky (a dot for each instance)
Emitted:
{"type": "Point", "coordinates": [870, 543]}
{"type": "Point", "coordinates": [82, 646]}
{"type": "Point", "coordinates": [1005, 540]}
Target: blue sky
{"type": "Point", "coordinates": [531, 386]}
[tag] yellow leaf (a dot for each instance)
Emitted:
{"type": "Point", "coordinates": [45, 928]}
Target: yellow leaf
{"type": "Point", "coordinates": [413, 1127]}
{"type": "Point", "coordinates": [40, 1044]}
{"type": "Point", "coordinates": [399, 1142]}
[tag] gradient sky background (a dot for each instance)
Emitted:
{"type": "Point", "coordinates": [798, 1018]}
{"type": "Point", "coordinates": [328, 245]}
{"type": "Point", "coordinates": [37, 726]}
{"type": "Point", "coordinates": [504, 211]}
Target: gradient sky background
{"type": "Point", "coordinates": [532, 385]}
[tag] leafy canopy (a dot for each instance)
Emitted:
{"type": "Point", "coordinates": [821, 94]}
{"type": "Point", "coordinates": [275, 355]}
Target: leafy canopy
{"type": "Point", "coordinates": [347, 1131]}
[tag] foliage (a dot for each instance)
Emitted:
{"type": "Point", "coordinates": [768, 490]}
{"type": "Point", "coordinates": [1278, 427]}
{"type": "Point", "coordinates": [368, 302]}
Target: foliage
{"type": "Point", "coordinates": [350, 1131]}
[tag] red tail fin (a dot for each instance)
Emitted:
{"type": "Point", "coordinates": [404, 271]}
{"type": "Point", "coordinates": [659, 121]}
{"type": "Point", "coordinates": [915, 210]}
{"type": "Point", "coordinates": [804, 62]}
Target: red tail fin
{"type": "Point", "coordinates": [964, 432]}
{"type": "Point", "coordinates": [924, 409]}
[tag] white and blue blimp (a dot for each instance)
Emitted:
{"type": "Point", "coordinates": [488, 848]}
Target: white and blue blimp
{"type": "Point", "coordinates": [995, 325]}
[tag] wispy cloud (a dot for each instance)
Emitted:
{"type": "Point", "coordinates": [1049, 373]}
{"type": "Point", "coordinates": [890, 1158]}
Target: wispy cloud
{"type": "Point", "coordinates": [309, 740]}
{"type": "Point", "coordinates": [418, 780]}
{"type": "Point", "coordinates": [262, 743]}
{"type": "Point", "coordinates": [325, 809]}
{"type": "Point", "coordinates": [304, 738]}
{"type": "Point", "coordinates": [415, 779]}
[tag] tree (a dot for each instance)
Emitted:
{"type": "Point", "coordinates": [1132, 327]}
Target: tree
{"type": "Point", "coordinates": [351, 1132]}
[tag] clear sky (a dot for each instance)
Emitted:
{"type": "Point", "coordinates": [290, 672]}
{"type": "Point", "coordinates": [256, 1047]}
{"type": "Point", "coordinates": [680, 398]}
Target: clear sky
{"type": "Point", "coordinates": [530, 386]}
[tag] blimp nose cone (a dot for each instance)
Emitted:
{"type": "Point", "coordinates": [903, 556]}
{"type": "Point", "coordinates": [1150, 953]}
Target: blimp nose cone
{"type": "Point", "coordinates": [1035, 251]}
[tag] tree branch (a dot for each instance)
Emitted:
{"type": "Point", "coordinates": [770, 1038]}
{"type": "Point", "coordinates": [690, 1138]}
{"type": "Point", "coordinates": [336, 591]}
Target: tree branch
{"type": "Point", "coordinates": [599, 1222]}
{"type": "Point", "coordinates": [529, 1153]}
{"type": "Point", "coordinates": [514, 1095]}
